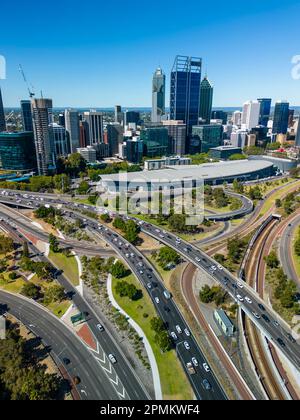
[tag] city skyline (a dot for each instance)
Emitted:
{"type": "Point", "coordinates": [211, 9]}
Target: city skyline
{"type": "Point", "coordinates": [89, 55]}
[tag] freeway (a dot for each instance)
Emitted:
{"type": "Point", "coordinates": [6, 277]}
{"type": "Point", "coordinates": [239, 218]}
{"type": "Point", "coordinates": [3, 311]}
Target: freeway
{"type": "Point", "coordinates": [123, 378]}
{"type": "Point", "coordinates": [185, 344]}
{"type": "Point", "coordinates": [246, 208]}
{"type": "Point", "coordinates": [62, 344]}
{"type": "Point", "coordinates": [285, 249]}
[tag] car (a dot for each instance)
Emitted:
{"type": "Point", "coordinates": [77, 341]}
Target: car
{"type": "Point", "coordinates": [257, 316]}
{"type": "Point", "coordinates": [291, 338]}
{"type": "Point", "coordinates": [167, 295]}
{"type": "Point", "coordinates": [220, 267]}
{"type": "Point", "coordinates": [161, 236]}
{"type": "Point", "coordinates": [206, 384]}
{"type": "Point", "coordinates": [149, 276]}
{"type": "Point", "coordinates": [197, 259]}
{"type": "Point", "coordinates": [186, 345]}
{"type": "Point", "coordinates": [66, 361]}
{"type": "Point", "coordinates": [195, 362]}
{"type": "Point", "coordinates": [76, 380]}
{"type": "Point", "coordinates": [174, 336]}
{"type": "Point", "coordinates": [276, 324]}
{"type": "Point", "coordinates": [247, 299]}
{"type": "Point", "coordinates": [141, 272]}
{"type": "Point", "coordinates": [214, 268]}
{"type": "Point", "coordinates": [100, 327]}
{"type": "Point", "coordinates": [178, 329]}
{"type": "Point", "coordinates": [265, 318]}
{"type": "Point", "coordinates": [149, 285]}
{"type": "Point", "coordinates": [261, 307]}
{"type": "Point", "coordinates": [240, 298]}
{"type": "Point", "coordinates": [206, 367]}
{"type": "Point", "coordinates": [240, 285]}
{"type": "Point", "coordinates": [187, 332]}
{"type": "Point", "coordinates": [112, 359]}
{"type": "Point", "coordinates": [281, 342]}
{"type": "Point", "coordinates": [167, 309]}
{"type": "Point", "coordinates": [157, 300]}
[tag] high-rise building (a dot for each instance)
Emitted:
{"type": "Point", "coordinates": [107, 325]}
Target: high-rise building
{"type": "Point", "coordinates": [177, 137]}
{"type": "Point", "coordinates": [17, 152]}
{"type": "Point", "coordinates": [94, 120]}
{"type": "Point", "coordinates": [2, 115]}
{"type": "Point", "coordinates": [265, 110]}
{"type": "Point", "coordinates": [62, 120]}
{"type": "Point", "coordinates": [119, 115]}
{"type": "Point", "coordinates": [132, 117]}
{"type": "Point", "coordinates": [281, 117]}
{"type": "Point", "coordinates": [206, 101]}
{"type": "Point", "coordinates": [237, 118]}
{"type": "Point", "coordinates": [158, 95]}
{"type": "Point", "coordinates": [134, 150]}
{"type": "Point", "coordinates": [72, 127]}
{"type": "Point", "coordinates": [220, 115]}
{"type": "Point", "coordinates": [156, 141]}
{"type": "Point", "coordinates": [84, 133]}
{"type": "Point", "coordinates": [60, 138]}
{"type": "Point", "coordinates": [185, 90]}
{"type": "Point", "coordinates": [291, 118]}
{"type": "Point", "coordinates": [26, 115]}
{"type": "Point", "coordinates": [114, 134]}
{"type": "Point", "coordinates": [208, 136]}
{"type": "Point", "coordinates": [250, 116]}
{"type": "Point", "coordinates": [44, 144]}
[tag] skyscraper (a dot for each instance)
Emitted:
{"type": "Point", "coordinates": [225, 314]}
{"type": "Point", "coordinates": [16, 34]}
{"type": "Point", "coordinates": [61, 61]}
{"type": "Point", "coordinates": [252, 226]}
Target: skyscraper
{"type": "Point", "coordinates": [119, 115]}
{"type": "Point", "coordinates": [250, 116]}
{"type": "Point", "coordinates": [95, 124]}
{"type": "Point", "coordinates": [237, 118]}
{"type": "Point", "coordinates": [114, 137]}
{"type": "Point", "coordinates": [132, 117]}
{"type": "Point", "coordinates": [60, 139]}
{"type": "Point", "coordinates": [43, 139]}
{"type": "Point", "coordinates": [206, 100]}
{"type": "Point", "coordinates": [72, 127]}
{"type": "Point", "coordinates": [158, 95]}
{"type": "Point", "coordinates": [177, 136]}
{"type": "Point", "coordinates": [2, 115]}
{"type": "Point", "coordinates": [265, 110]}
{"type": "Point", "coordinates": [185, 90]}
{"type": "Point", "coordinates": [26, 115]}
{"type": "Point", "coordinates": [281, 117]}
{"type": "Point", "coordinates": [297, 140]}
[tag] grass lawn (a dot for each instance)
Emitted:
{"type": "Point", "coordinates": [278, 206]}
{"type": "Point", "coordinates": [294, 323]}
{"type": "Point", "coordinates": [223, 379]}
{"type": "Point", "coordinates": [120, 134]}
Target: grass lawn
{"type": "Point", "coordinates": [68, 265]}
{"type": "Point", "coordinates": [13, 286]}
{"type": "Point", "coordinates": [175, 385]}
{"type": "Point", "coordinates": [277, 195]}
{"type": "Point", "coordinates": [295, 257]}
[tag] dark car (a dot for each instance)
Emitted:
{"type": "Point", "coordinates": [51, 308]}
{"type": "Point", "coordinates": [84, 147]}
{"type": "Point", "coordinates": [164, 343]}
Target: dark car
{"type": "Point", "coordinates": [266, 318]}
{"type": "Point", "coordinates": [261, 307]}
{"type": "Point", "coordinates": [280, 342]}
{"type": "Point", "coordinates": [66, 361]}
{"type": "Point", "coordinates": [291, 338]}
{"type": "Point", "coordinates": [167, 309]}
{"type": "Point", "coordinates": [206, 384]}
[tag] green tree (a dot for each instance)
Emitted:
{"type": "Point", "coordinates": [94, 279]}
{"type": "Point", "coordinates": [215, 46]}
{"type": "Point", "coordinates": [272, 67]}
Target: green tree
{"type": "Point", "coordinates": [31, 291]}
{"type": "Point", "coordinates": [272, 260]}
{"type": "Point", "coordinates": [131, 232]}
{"type": "Point", "coordinates": [157, 325]}
{"type": "Point", "coordinates": [118, 270]}
{"type": "Point", "coordinates": [167, 256]}
{"type": "Point", "coordinates": [54, 244]}
{"type": "Point", "coordinates": [83, 187]}
{"type": "Point", "coordinates": [54, 293]}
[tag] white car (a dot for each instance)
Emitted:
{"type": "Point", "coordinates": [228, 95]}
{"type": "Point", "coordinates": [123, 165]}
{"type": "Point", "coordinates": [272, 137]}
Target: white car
{"type": "Point", "coordinates": [157, 300]}
{"type": "Point", "coordinates": [213, 268]}
{"type": "Point", "coordinates": [179, 330]}
{"type": "Point", "coordinates": [206, 367]}
{"type": "Point", "coordinates": [100, 327]}
{"type": "Point", "coordinates": [112, 359]}
{"type": "Point", "coordinates": [240, 285]}
{"type": "Point", "coordinates": [197, 259]}
{"type": "Point", "coordinates": [247, 299]}
{"type": "Point", "coordinates": [186, 345]}
{"type": "Point", "coordinates": [240, 298]}
{"type": "Point", "coordinates": [174, 336]}
{"type": "Point", "coordinates": [195, 362]}
{"type": "Point", "coordinates": [187, 333]}
{"type": "Point", "coordinates": [220, 267]}
{"type": "Point", "coordinates": [257, 316]}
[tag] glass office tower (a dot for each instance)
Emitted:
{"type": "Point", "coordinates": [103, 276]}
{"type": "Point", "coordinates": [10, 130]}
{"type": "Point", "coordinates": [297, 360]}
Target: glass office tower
{"type": "Point", "coordinates": [185, 90]}
{"type": "Point", "coordinates": [281, 117]}
{"type": "Point", "coordinates": [265, 110]}
{"type": "Point", "coordinates": [26, 115]}
{"type": "Point", "coordinates": [2, 115]}
{"type": "Point", "coordinates": [17, 151]}
{"type": "Point", "coordinates": [158, 95]}
{"type": "Point", "coordinates": [206, 100]}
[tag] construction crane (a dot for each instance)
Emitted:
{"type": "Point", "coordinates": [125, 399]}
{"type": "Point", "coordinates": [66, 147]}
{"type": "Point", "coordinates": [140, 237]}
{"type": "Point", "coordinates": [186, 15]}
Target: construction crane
{"type": "Point", "coordinates": [30, 91]}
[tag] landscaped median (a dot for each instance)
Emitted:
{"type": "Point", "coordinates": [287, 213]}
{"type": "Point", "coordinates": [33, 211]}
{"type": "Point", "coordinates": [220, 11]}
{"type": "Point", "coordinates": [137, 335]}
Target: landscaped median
{"type": "Point", "coordinates": [68, 264]}
{"type": "Point", "coordinates": [174, 383]}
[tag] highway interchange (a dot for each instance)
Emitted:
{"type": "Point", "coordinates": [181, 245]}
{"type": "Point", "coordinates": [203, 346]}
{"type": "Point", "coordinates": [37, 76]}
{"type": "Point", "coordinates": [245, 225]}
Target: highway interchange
{"type": "Point", "coordinates": [263, 316]}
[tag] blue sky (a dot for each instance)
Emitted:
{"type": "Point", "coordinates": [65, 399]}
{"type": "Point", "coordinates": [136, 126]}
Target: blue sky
{"type": "Point", "coordinates": [100, 53]}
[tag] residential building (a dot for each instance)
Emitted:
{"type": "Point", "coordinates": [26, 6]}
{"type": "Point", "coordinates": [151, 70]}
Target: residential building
{"type": "Point", "coordinates": [237, 118]}
{"type": "Point", "coordinates": [2, 115]}
{"type": "Point", "coordinates": [281, 117]}
{"type": "Point", "coordinates": [208, 135]}
{"type": "Point", "coordinates": [239, 138]}
{"type": "Point", "coordinates": [42, 117]}
{"type": "Point", "coordinates": [250, 116]}
{"type": "Point", "coordinates": [17, 151]}
{"type": "Point", "coordinates": [94, 120]}
{"type": "Point", "coordinates": [72, 127]}
{"type": "Point", "coordinates": [206, 101]}
{"type": "Point", "coordinates": [265, 110]}
{"type": "Point", "coordinates": [156, 141]}
{"type": "Point", "coordinates": [158, 95]}
{"type": "Point", "coordinates": [185, 90]}
{"type": "Point", "coordinates": [26, 115]}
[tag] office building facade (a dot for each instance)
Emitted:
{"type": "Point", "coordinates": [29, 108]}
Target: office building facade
{"type": "Point", "coordinates": [42, 117]}
{"type": "Point", "coordinates": [185, 90]}
{"type": "Point", "coordinates": [156, 141]}
{"type": "Point", "coordinates": [2, 115]}
{"type": "Point", "coordinates": [72, 127]}
{"type": "Point", "coordinates": [134, 150]}
{"type": "Point", "coordinates": [220, 115]}
{"type": "Point", "coordinates": [281, 117]}
{"type": "Point", "coordinates": [265, 110]}
{"type": "Point", "coordinates": [177, 137]}
{"type": "Point", "coordinates": [132, 117]}
{"type": "Point", "coordinates": [114, 133]}
{"type": "Point", "coordinates": [119, 115]}
{"type": "Point", "coordinates": [26, 115]}
{"type": "Point", "coordinates": [158, 95]}
{"type": "Point", "coordinates": [60, 139]}
{"type": "Point", "coordinates": [206, 101]}
{"type": "Point", "coordinates": [250, 115]}
{"type": "Point", "coordinates": [17, 151]}
{"type": "Point", "coordinates": [95, 126]}
{"type": "Point", "coordinates": [208, 136]}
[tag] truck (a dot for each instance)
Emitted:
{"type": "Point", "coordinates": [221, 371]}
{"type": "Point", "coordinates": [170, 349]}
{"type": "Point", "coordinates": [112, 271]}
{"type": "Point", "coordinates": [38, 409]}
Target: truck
{"type": "Point", "coordinates": [190, 368]}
